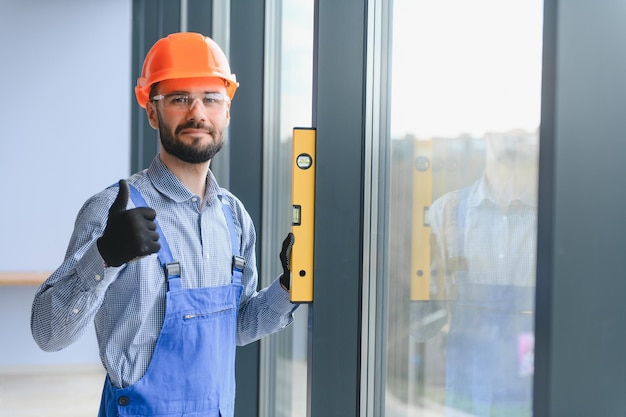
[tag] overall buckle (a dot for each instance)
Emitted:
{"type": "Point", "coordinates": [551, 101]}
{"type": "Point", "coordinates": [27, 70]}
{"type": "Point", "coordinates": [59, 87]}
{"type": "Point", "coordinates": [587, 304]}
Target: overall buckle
{"type": "Point", "coordinates": [172, 269]}
{"type": "Point", "coordinates": [238, 263]}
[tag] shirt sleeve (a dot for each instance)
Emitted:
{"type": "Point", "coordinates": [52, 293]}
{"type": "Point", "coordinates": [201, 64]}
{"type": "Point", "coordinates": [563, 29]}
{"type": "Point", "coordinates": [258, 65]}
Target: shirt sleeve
{"type": "Point", "coordinates": [66, 303]}
{"type": "Point", "coordinates": [260, 312]}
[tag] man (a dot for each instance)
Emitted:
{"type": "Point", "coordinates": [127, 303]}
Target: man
{"type": "Point", "coordinates": [484, 247]}
{"type": "Point", "coordinates": [168, 276]}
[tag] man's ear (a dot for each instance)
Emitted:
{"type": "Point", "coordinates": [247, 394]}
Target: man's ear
{"type": "Point", "coordinates": [152, 115]}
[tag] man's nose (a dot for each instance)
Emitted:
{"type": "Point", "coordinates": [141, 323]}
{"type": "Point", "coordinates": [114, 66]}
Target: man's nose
{"type": "Point", "coordinates": [197, 110]}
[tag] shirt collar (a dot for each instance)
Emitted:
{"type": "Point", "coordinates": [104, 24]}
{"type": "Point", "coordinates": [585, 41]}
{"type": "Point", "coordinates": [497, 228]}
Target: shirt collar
{"type": "Point", "coordinates": [168, 184]}
{"type": "Point", "coordinates": [481, 194]}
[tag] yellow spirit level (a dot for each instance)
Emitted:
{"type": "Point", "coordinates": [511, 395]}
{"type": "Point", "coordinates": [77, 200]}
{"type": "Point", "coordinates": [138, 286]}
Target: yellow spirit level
{"type": "Point", "coordinates": [303, 218]}
{"type": "Point", "coordinates": [420, 242]}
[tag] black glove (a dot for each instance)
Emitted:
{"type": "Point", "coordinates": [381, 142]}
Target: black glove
{"type": "Point", "coordinates": [129, 234]}
{"type": "Point", "coordinates": [285, 258]}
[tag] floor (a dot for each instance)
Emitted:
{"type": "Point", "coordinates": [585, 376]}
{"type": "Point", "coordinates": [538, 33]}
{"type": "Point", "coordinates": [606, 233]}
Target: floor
{"type": "Point", "coordinates": [67, 392]}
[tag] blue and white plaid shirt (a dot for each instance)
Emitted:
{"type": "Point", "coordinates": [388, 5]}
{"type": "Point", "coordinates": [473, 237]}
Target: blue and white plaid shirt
{"type": "Point", "coordinates": [497, 245]}
{"type": "Point", "coordinates": [127, 303]}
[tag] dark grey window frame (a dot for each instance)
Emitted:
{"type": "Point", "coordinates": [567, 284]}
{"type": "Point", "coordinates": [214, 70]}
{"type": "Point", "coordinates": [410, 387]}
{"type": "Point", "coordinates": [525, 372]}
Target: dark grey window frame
{"type": "Point", "coordinates": [580, 366]}
{"type": "Point", "coordinates": [339, 117]}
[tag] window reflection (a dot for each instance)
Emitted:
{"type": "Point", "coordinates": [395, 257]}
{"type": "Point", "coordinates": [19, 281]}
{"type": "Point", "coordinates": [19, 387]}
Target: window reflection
{"type": "Point", "coordinates": [464, 161]}
{"type": "Point", "coordinates": [483, 254]}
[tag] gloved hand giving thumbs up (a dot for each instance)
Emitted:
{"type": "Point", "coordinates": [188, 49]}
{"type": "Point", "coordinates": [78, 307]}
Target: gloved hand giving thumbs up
{"type": "Point", "coordinates": [129, 234]}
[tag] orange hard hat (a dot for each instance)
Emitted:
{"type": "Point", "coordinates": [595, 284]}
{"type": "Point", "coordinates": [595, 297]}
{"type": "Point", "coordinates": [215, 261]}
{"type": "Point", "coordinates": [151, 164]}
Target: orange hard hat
{"type": "Point", "coordinates": [183, 55]}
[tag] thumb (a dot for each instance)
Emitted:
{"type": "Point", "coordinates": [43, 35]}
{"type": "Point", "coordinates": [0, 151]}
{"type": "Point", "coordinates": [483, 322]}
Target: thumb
{"type": "Point", "coordinates": [121, 201]}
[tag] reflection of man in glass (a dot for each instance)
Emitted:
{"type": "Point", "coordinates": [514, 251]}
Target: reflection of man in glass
{"type": "Point", "coordinates": [484, 249]}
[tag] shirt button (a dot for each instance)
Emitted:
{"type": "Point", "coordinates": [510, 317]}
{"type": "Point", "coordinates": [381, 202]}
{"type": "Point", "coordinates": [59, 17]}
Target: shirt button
{"type": "Point", "coordinates": [75, 310]}
{"type": "Point", "coordinates": [194, 199]}
{"type": "Point", "coordinates": [123, 400]}
{"type": "Point", "coordinates": [97, 277]}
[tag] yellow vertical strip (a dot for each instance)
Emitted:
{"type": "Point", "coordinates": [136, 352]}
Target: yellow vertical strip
{"type": "Point", "coordinates": [303, 219]}
{"type": "Point", "coordinates": [420, 236]}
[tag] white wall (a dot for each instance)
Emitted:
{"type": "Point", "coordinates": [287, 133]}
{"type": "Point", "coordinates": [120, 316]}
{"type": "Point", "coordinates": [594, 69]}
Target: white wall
{"type": "Point", "coordinates": [65, 86]}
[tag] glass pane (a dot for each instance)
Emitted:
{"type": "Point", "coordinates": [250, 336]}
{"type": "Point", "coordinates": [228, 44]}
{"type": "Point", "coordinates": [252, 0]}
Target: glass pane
{"type": "Point", "coordinates": [287, 104]}
{"type": "Point", "coordinates": [465, 111]}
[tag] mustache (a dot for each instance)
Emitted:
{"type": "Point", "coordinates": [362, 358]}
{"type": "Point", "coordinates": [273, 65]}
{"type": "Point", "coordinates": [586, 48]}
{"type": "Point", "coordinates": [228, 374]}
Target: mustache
{"type": "Point", "coordinates": [195, 125]}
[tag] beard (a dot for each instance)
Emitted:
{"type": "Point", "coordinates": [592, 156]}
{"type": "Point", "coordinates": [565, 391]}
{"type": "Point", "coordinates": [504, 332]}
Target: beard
{"type": "Point", "coordinates": [192, 153]}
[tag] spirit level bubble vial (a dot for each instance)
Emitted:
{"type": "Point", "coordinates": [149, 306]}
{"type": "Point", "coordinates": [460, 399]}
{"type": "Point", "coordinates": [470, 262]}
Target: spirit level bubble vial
{"type": "Point", "coordinates": [303, 216]}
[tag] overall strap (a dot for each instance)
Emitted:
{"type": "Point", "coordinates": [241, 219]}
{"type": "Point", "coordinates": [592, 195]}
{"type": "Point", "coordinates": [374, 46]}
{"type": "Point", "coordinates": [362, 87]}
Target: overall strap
{"type": "Point", "coordinates": [461, 214]}
{"type": "Point", "coordinates": [238, 262]}
{"type": "Point", "coordinates": [171, 268]}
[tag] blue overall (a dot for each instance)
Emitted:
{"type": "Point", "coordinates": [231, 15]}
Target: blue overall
{"type": "Point", "coordinates": [192, 370]}
{"type": "Point", "coordinates": [483, 366]}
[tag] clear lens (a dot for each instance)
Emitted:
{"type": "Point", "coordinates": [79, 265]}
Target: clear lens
{"type": "Point", "coordinates": [184, 102]}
